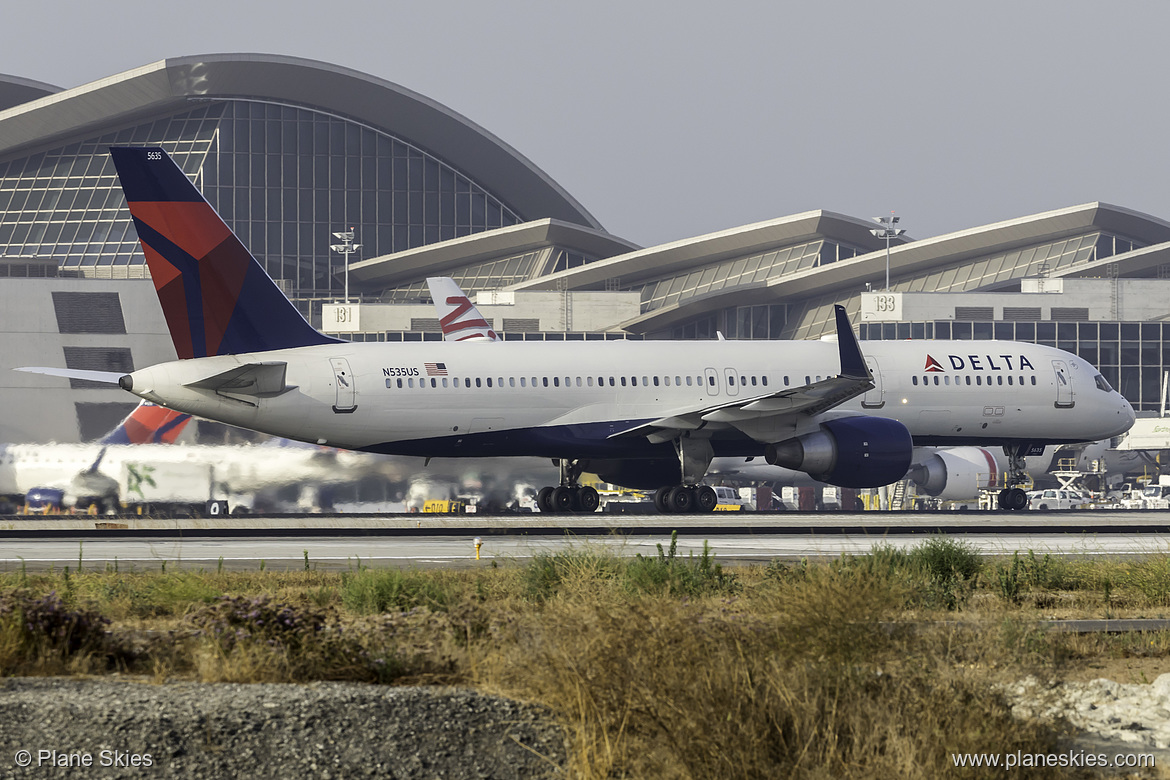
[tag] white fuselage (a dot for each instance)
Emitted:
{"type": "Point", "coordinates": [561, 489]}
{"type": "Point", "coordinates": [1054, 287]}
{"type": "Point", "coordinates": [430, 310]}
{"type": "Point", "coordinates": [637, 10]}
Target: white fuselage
{"type": "Point", "coordinates": [566, 399]}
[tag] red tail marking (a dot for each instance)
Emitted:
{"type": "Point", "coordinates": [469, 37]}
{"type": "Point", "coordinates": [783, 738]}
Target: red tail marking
{"type": "Point", "coordinates": [462, 306]}
{"type": "Point", "coordinates": [933, 365]}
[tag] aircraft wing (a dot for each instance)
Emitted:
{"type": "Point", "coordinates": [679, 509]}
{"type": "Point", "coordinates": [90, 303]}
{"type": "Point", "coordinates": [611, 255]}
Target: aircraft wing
{"type": "Point", "coordinates": [767, 412]}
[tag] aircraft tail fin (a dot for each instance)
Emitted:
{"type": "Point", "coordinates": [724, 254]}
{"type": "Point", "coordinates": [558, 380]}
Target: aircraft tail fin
{"type": "Point", "coordinates": [148, 424]}
{"type": "Point", "coordinates": [216, 297]}
{"type": "Point", "coordinates": [458, 317]}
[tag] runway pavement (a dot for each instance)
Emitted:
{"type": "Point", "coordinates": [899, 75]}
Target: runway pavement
{"type": "Point", "coordinates": [340, 541]}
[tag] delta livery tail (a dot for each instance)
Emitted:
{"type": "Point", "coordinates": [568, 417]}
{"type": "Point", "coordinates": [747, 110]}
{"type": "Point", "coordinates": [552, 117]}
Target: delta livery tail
{"type": "Point", "coordinates": [216, 297]}
{"type": "Point", "coordinates": [148, 424]}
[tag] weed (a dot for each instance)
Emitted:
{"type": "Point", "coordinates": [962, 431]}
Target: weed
{"type": "Point", "coordinates": [373, 591]}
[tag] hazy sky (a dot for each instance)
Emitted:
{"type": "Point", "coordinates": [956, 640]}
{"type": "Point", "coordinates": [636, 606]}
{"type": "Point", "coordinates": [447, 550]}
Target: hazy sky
{"type": "Point", "coordinates": [670, 120]}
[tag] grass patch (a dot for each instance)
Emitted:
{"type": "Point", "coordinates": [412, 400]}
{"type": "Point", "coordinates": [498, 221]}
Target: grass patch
{"type": "Point", "coordinates": [662, 665]}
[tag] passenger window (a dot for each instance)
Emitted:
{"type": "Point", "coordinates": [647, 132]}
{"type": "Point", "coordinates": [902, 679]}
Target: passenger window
{"type": "Point", "coordinates": [968, 380]}
{"type": "Point", "coordinates": [645, 382]}
{"type": "Point", "coordinates": [434, 383]}
{"type": "Point", "coordinates": [578, 381]}
{"type": "Point", "coordinates": [1009, 380]}
{"type": "Point", "coordinates": [556, 381]}
{"type": "Point", "coordinates": [753, 381]}
{"type": "Point", "coordinates": [711, 381]}
{"type": "Point", "coordinates": [688, 381]}
{"type": "Point", "coordinates": [743, 381]}
{"type": "Point", "coordinates": [656, 381]}
{"type": "Point", "coordinates": [522, 382]}
{"type": "Point", "coordinates": [678, 381]}
{"type": "Point", "coordinates": [946, 380]}
{"type": "Point", "coordinates": [936, 379]}
{"type": "Point", "coordinates": [611, 384]}
{"type": "Point", "coordinates": [765, 380]}
{"type": "Point", "coordinates": [591, 381]}
{"type": "Point", "coordinates": [1000, 380]}
{"type": "Point", "coordinates": [410, 383]}
{"type": "Point", "coordinates": [807, 379]}
{"type": "Point", "coordinates": [545, 381]}
{"type": "Point", "coordinates": [399, 384]}
{"type": "Point", "coordinates": [478, 382]}
{"type": "Point", "coordinates": [623, 381]}
{"type": "Point", "coordinates": [1033, 381]}
{"type": "Point", "coordinates": [444, 383]}
{"type": "Point", "coordinates": [489, 381]}
{"type": "Point", "coordinates": [914, 380]}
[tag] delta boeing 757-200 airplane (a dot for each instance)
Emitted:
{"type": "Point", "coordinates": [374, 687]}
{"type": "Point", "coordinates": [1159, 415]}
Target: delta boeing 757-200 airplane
{"type": "Point", "coordinates": [648, 414]}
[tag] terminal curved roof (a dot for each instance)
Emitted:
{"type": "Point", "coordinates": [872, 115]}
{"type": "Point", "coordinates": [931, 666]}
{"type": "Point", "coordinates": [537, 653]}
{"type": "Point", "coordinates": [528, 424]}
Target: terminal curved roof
{"type": "Point", "coordinates": [35, 115]}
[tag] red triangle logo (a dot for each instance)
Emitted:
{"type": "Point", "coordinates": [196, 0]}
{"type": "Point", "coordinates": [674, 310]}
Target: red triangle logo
{"type": "Point", "coordinates": [933, 365]}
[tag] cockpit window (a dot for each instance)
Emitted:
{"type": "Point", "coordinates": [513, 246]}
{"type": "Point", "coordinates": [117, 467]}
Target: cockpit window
{"type": "Point", "coordinates": [1102, 384]}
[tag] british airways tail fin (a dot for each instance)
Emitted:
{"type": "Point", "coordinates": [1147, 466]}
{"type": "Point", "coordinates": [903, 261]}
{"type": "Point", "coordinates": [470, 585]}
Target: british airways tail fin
{"type": "Point", "coordinates": [216, 298]}
{"type": "Point", "coordinates": [458, 317]}
{"type": "Point", "coordinates": [148, 424]}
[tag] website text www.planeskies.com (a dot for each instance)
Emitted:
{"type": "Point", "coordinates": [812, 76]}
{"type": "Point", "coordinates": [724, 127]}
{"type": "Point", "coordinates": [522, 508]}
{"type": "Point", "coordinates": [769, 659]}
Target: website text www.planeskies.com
{"type": "Point", "coordinates": [1066, 759]}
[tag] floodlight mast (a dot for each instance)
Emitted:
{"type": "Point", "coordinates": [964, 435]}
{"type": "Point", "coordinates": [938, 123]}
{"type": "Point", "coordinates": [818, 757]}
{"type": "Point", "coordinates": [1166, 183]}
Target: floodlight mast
{"type": "Point", "coordinates": [887, 232]}
{"type": "Point", "coordinates": [345, 249]}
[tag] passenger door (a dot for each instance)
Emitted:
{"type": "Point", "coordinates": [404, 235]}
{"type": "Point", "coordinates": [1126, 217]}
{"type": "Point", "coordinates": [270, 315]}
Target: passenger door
{"type": "Point", "coordinates": [345, 396]}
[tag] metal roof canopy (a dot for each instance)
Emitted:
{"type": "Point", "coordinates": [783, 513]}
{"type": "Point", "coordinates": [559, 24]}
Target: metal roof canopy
{"type": "Point", "coordinates": [918, 257]}
{"type": "Point", "coordinates": [434, 259]}
{"type": "Point", "coordinates": [645, 264]}
{"type": "Point", "coordinates": [167, 85]}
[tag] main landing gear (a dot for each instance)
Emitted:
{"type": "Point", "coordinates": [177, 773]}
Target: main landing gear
{"type": "Point", "coordinates": [685, 498]}
{"type": "Point", "coordinates": [694, 456]}
{"type": "Point", "coordinates": [1015, 499]}
{"type": "Point", "coordinates": [569, 496]}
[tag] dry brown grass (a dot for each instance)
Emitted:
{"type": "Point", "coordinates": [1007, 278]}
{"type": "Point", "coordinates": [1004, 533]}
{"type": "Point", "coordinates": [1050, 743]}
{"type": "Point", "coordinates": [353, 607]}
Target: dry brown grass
{"type": "Point", "coordinates": [875, 666]}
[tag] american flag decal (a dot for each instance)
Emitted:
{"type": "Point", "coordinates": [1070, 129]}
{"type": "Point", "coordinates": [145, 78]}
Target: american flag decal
{"type": "Point", "coordinates": [436, 369]}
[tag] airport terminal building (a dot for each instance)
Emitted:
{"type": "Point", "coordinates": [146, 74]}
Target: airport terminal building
{"type": "Point", "coordinates": [290, 151]}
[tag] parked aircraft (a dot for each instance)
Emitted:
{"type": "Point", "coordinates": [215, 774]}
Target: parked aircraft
{"type": "Point", "coordinates": [639, 414]}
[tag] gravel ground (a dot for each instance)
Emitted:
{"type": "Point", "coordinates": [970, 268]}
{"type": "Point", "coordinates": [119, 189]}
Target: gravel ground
{"type": "Point", "coordinates": [324, 730]}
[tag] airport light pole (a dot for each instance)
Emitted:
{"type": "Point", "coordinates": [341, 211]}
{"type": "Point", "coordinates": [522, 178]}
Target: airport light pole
{"type": "Point", "coordinates": [887, 231]}
{"type": "Point", "coordinates": [346, 248]}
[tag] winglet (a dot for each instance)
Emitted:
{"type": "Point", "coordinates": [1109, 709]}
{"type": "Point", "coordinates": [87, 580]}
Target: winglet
{"type": "Point", "coordinates": [852, 362]}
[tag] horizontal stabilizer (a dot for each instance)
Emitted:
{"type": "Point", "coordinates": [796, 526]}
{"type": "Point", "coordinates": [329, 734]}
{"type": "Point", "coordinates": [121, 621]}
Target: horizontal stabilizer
{"type": "Point", "coordinates": [105, 377]}
{"type": "Point", "coordinates": [263, 380]}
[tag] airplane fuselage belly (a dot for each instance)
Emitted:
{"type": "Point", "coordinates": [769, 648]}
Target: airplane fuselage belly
{"type": "Point", "coordinates": [554, 399]}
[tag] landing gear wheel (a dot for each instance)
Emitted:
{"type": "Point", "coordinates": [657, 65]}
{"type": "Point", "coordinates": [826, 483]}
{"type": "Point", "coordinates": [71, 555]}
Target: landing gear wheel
{"type": "Point", "coordinates": [588, 500]}
{"type": "Point", "coordinates": [660, 496]}
{"type": "Point", "coordinates": [544, 500]}
{"type": "Point", "coordinates": [681, 499]}
{"type": "Point", "coordinates": [705, 499]}
{"type": "Point", "coordinates": [1013, 499]}
{"type": "Point", "coordinates": [562, 499]}
{"type": "Point", "coordinates": [1017, 499]}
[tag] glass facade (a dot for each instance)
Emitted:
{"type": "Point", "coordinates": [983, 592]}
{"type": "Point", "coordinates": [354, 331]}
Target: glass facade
{"type": "Point", "coordinates": [813, 317]}
{"type": "Point", "coordinates": [284, 177]}
{"type": "Point", "coordinates": [1132, 356]}
{"type": "Point", "coordinates": [763, 321]}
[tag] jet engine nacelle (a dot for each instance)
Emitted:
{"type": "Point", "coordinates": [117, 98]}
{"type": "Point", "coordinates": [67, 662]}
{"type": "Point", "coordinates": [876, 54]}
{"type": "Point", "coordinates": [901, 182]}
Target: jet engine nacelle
{"type": "Point", "coordinates": [856, 452]}
{"type": "Point", "coordinates": [956, 473]}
